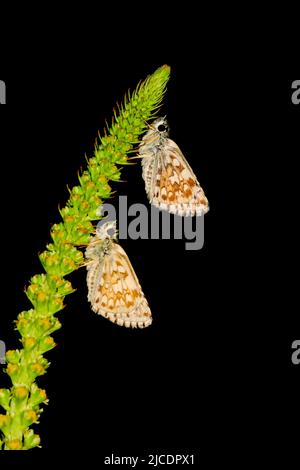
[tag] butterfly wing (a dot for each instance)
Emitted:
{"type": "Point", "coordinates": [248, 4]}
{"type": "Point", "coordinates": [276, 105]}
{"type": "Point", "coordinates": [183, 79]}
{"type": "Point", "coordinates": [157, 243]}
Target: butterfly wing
{"type": "Point", "coordinates": [171, 184]}
{"type": "Point", "coordinates": [149, 170]}
{"type": "Point", "coordinates": [114, 290]}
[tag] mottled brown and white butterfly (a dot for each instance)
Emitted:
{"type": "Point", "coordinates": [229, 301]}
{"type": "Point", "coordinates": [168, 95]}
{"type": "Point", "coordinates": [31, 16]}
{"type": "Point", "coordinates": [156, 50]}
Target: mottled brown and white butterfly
{"type": "Point", "coordinates": [113, 287]}
{"type": "Point", "coordinates": [170, 182]}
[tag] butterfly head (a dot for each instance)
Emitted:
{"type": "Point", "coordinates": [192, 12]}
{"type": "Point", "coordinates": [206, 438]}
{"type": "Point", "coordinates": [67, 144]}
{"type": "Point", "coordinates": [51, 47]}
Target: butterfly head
{"type": "Point", "coordinates": [158, 130]}
{"type": "Point", "coordinates": [161, 126]}
{"type": "Point", "coordinates": [106, 230]}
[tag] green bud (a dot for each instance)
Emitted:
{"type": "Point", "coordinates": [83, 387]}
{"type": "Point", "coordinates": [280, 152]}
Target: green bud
{"type": "Point", "coordinates": [14, 444]}
{"type": "Point", "coordinates": [4, 421]}
{"type": "Point", "coordinates": [29, 343]}
{"type": "Point", "coordinates": [13, 370]}
{"type": "Point", "coordinates": [46, 344]}
{"type": "Point", "coordinates": [31, 440]}
{"type": "Point", "coordinates": [37, 369]}
{"type": "Point", "coordinates": [20, 393]}
{"type": "Point", "coordinates": [13, 356]}
{"type": "Point", "coordinates": [37, 396]}
{"type": "Point", "coordinates": [5, 398]}
{"type": "Point", "coordinates": [50, 262]}
{"type": "Point", "coordinates": [29, 417]}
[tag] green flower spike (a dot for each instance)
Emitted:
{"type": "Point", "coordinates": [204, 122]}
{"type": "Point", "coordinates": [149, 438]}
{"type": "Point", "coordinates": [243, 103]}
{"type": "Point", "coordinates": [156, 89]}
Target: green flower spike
{"type": "Point", "coordinates": [21, 403]}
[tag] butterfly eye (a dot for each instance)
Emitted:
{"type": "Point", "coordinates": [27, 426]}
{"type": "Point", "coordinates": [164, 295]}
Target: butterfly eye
{"type": "Point", "coordinates": [161, 128]}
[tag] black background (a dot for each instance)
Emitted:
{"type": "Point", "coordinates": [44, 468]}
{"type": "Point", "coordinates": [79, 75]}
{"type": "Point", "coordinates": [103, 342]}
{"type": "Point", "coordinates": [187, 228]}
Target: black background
{"type": "Point", "coordinates": [214, 371]}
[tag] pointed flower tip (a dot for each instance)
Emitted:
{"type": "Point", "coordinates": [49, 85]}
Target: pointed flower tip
{"type": "Point", "coordinates": [164, 69]}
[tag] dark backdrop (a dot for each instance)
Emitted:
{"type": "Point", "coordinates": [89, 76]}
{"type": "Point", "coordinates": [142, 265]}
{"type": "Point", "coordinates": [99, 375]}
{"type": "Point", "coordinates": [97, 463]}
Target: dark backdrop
{"type": "Point", "coordinates": [217, 360]}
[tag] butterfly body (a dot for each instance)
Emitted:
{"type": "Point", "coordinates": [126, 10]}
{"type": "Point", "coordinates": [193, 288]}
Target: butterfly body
{"type": "Point", "coordinates": [113, 287]}
{"type": "Point", "coordinates": [170, 183]}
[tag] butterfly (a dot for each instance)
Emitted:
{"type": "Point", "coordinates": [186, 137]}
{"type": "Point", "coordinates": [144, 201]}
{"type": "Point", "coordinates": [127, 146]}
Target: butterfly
{"type": "Point", "coordinates": [170, 182]}
{"type": "Point", "coordinates": [113, 287]}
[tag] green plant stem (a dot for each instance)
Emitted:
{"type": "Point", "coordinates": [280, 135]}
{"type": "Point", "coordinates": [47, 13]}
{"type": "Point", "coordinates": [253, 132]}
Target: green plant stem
{"type": "Point", "coordinates": [22, 403]}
